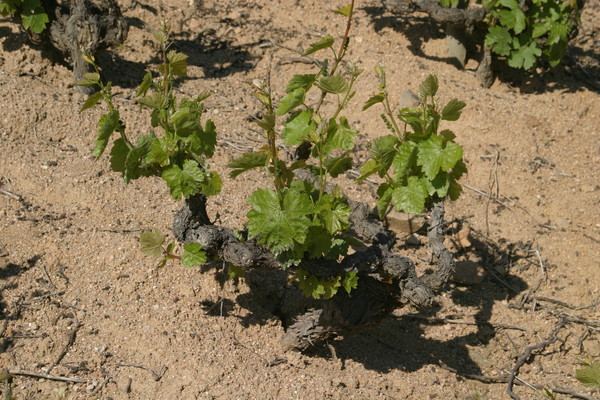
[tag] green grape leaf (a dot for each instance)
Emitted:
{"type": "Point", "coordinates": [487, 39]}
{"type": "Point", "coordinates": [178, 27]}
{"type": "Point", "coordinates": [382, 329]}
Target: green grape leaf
{"type": "Point", "coordinates": [558, 32]}
{"type": "Point", "coordinates": [161, 151]}
{"type": "Point", "coordinates": [405, 159]}
{"type": "Point", "coordinates": [338, 165]}
{"type": "Point", "coordinates": [499, 39]}
{"type": "Point", "coordinates": [236, 272]}
{"type": "Point", "coordinates": [350, 281]}
{"type": "Point", "coordinates": [378, 98]}
{"type": "Point", "coordinates": [448, 135]}
{"type": "Point", "coordinates": [384, 192]}
{"type": "Point", "coordinates": [439, 185]}
{"type": "Point", "coordinates": [339, 136]}
{"type": "Point", "coordinates": [333, 213]}
{"type": "Point", "coordinates": [89, 79]}
{"type": "Point", "coordinates": [184, 181]}
{"type": "Point", "coordinates": [589, 375]}
{"type": "Point", "coordinates": [133, 163]}
{"type": "Point", "coordinates": [383, 151]}
{"type": "Point", "coordinates": [429, 87]}
{"type": "Point", "coordinates": [410, 198]}
{"type": "Point", "coordinates": [301, 82]}
{"type": "Point", "coordinates": [178, 63]}
{"type": "Point", "coordinates": [267, 122]}
{"type": "Point", "coordinates": [8, 7]}
{"type": "Point", "coordinates": [345, 11]}
{"type": "Point", "coordinates": [34, 19]}
{"type": "Point", "coordinates": [151, 243]}
{"type": "Point", "coordinates": [247, 162]}
{"type": "Point", "coordinates": [513, 19]}
{"type": "Point", "coordinates": [309, 284]}
{"type": "Point", "coordinates": [367, 169]}
{"type": "Point", "coordinates": [145, 85]}
{"type": "Point", "coordinates": [291, 101]}
{"type": "Point", "coordinates": [193, 256]}
{"type": "Point", "coordinates": [211, 185]}
{"type": "Point", "coordinates": [91, 101]}
{"type": "Point", "coordinates": [157, 101]}
{"type": "Point", "coordinates": [118, 155]}
{"type": "Point", "coordinates": [525, 56]}
{"type": "Point", "coordinates": [320, 45]}
{"type": "Point", "coordinates": [452, 110]}
{"type": "Point", "coordinates": [298, 127]}
{"type": "Point", "coordinates": [333, 84]}
{"type": "Point", "coordinates": [432, 157]}
{"type": "Point", "coordinates": [279, 224]}
{"type": "Point", "coordinates": [331, 287]}
{"type": "Point", "coordinates": [106, 126]}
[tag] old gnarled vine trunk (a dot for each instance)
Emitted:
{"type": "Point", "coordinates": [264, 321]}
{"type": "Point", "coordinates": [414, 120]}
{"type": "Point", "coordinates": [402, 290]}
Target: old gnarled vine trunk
{"type": "Point", "coordinates": [386, 280]}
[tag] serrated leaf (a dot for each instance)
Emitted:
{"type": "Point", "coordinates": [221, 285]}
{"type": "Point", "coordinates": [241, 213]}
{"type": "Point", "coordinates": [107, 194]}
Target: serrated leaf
{"type": "Point", "coordinates": [367, 169]}
{"type": "Point", "coordinates": [345, 11]}
{"type": "Point", "coordinates": [439, 185]}
{"type": "Point", "coordinates": [193, 256]}
{"type": "Point", "coordinates": [157, 101]}
{"type": "Point", "coordinates": [35, 20]}
{"type": "Point", "coordinates": [589, 375]}
{"type": "Point", "coordinates": [106, 126]}
{"type": "Point", "coordinates": [151, 243]}
{"type": "Point", "coordinates": [452, 110]}
{"type": "Point", "coordinates": [350, 281]}
{"type": "Point", "coordinates": [320, 45]}
{"type": "Point", "coordinates": [161, 151]}
{"type": "Point", "coordinates": [133, 163]}
{"type": "Point", "coordinates": [410, 198]}
{"type": "Point", "coordinates": [91, 101]}
{"type": "Point", "coordinates": [298, 127]}
{"type": "Point", "coordinates": [334, 213]}
{"type": "Point", "coordinates": [333, 84]}
{"type": "Point", "coordinates": [432, 157]}
{"type": "Point", "coordinates": [118, 155]}
{"type": "Point", "coordinates": [448, 135]}
{"type": "Point", "coordinates": [235, 272]}
{"type": "Point", "coordinates": [558, 32]}
{"type": "Point", "coordinates": [247, 162]}
{"type": "Point", "coordinates": [404, 159]}
{"type": "Point", "coordinates": [525, 57]}
{"type": "Point", "coordinates": [211, 185]}
{"type": "Point", "coordinates": [338, 165]}
{"type": "Point", "coordinates": [339, 136]}
{"type": "Point", "coordinates": [89, 79]}
{"type": "Point", "coordinates": [184, 181]}
{"type": "Point", "coordinates": [170, 247]}
{"type": "Point", "coordinates": [279, 224]}
{"type": "Point", "coordinates": [499, 40]}
{"type": "Point", "coordinates": [384, 194]}
{"type": "Point", "coordinates": [291, 101]}
{"type": "Point", "coordinates": [383, 151]}
{"type": "Point", "coordinates": [301, 82]}
{"type": "Point", "coordinates": [378, 98]}
{"type": "Point", "coordinates": [178, 63]}
{"type": "Point", "coordinates": [8, 7]}
{"type": "Point", "coordinates": [429, 87]}
{"type": "Point", "coordinates": [145, 85]}
{"type": "Point", "coordinates": [309, 284]}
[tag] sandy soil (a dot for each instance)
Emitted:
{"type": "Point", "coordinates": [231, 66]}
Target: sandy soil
{"type": "Point", "coordinates": [72, 277]}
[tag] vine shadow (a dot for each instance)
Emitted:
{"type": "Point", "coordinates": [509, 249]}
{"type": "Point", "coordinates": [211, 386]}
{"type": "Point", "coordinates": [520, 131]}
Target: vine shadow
{"type": "Point", "coordinates": [570, 76]}
{"type": "Point", "coordinates": [217, 58]}
{"type": "Point", "coordinates": [11, 270]}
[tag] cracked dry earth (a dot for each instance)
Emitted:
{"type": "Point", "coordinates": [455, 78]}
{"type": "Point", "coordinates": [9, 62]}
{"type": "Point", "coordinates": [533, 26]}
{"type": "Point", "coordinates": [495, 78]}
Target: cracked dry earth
{"type": "Point", "coordinates": [75, 288]}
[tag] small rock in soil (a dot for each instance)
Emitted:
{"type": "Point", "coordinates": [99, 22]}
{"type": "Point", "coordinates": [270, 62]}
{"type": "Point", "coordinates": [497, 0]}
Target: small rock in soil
{"type": "Point", "coordinates": [467, 273]}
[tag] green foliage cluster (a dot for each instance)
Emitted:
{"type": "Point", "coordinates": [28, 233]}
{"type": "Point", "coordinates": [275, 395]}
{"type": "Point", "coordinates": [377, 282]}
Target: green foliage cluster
{"type": "Point", "coordinates": [529, 31]}
{"type": "Point", "coordinates": [302, 217]}
{"type": "Point", "coordinates": [298, 219]}
{"type": "Point", "coordinates": [176, 148]}
{"type": "Point", "coordinates": [419, 162]}
{"type": "Point", "coordinates": [31, 12]}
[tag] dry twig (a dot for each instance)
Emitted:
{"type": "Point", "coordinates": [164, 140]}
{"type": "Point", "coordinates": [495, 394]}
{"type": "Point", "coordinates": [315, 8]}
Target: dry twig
{"type": "Point", "coordinates": [46, 376]}
{"type": "Point", "coordinates": [515, 369]}
{"type": "Point", "coordinates": [465, 322]}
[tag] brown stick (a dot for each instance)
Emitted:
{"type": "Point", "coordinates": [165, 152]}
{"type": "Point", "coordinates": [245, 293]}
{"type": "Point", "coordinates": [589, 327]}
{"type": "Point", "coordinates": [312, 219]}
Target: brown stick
{"type": "Point", "coordinates": [70, 341]}
{"type": "Point", "coordinates": [464, 322]}
{"type": "Point", "coordinates": [46, 376]}
{"type": "Point", "coordinates": [511, 378]}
